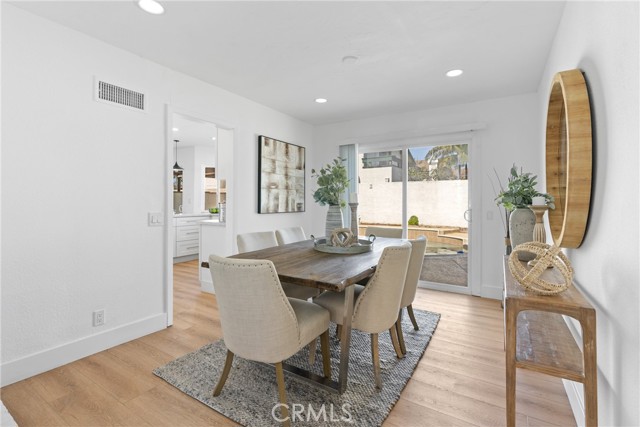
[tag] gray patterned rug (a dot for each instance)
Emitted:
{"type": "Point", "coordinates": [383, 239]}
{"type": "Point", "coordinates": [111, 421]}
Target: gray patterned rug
{"type": "Point", "coordinates": [250, 393]}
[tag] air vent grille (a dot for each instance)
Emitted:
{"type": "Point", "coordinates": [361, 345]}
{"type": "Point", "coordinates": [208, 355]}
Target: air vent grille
{"type": "Point", "coordinates": [119, 95]}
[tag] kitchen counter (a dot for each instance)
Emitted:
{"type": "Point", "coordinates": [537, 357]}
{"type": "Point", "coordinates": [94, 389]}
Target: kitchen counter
{"type": "Point", "coordinates": [185, 215]}
{"type": "Point", "coordinates": [213, 222]}
{"type": "Point", "coordinates": [215, 238]}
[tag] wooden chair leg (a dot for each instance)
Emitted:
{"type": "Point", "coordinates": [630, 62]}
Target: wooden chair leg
{"type": "Point", "coordinates": [326, 354]}
{"type": "Point", "coordinates": [312, 351]}
{"type": "Point", "coordinates": [338, 331]}
{"type": "Point", "coordinates": [375, 356]}
{"type": "Point", "coordinates": [284, 411]}
{"type": "Point", "coordinates": [412, 317]}
{"type": "Point", "coordinates": [398, 326]}
{"type": "Point", "coordinates": [394, 341]}
{"type": "Point", "coordinates": [225, 373]}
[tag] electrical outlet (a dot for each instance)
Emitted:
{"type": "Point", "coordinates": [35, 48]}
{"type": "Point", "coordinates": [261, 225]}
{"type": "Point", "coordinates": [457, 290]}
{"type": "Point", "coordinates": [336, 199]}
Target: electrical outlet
{"type": "Point", "coordinates": [98, 318]}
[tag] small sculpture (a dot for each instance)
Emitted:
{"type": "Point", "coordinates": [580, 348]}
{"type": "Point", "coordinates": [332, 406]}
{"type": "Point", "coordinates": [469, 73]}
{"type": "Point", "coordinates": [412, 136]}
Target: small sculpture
{"type": "Point", "coordinates": [343, 237]}
{"type": "Point", "coordinates": [547, 255]}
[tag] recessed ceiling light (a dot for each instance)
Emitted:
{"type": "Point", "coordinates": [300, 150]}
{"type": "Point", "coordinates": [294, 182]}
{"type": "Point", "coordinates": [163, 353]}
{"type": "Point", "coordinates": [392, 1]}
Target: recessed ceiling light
{"type": "Point", "coordinates": [321, 100]}
{"type": "Point", "coordinates": [214, 138]}
{"type": "Point", "coordinates": [175, 129]}
{"type": "Point", "coordinates": [454, 73]}
{"type": "Point", "coordinates": [151, 6]}
{"type": "Point", "coordinates": [349, 60]}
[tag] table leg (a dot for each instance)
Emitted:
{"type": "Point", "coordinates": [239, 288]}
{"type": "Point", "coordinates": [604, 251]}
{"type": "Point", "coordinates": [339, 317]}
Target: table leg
{"type": "Point", "coordinates": [511, 317]}
{"type": "Point", "coordinates": [345, 339]}
{"type": "Point", "coordinates": [590, 370]}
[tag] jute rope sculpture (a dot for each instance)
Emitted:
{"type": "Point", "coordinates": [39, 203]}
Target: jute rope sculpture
{"type": "Point", "coordinates": [546, 255]}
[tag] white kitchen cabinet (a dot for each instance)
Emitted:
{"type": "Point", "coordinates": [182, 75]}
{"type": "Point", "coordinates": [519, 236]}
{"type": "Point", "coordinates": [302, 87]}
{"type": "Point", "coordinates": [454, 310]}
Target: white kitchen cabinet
{"type": "Point", "coordinates": [187, 234]}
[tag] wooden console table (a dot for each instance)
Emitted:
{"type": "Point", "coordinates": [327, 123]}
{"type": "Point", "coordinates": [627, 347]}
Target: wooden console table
{"type": "Point", "coordinates": [538, 339]}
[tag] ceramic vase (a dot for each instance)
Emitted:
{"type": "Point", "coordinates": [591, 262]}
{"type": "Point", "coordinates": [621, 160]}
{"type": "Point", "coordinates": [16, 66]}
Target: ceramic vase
{"type": "Point", "coordinates": [507, 246]}
{"type": "Point", "coordinates": [521, 223]}
{"type": "Point", "coordinates": [334, 220]}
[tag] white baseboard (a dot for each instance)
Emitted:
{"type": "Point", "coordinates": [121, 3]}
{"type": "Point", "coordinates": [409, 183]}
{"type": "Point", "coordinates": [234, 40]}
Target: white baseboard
{"type": "Point", "coordinates": [493, 292]}
{"type": "Point", "coordinates": [575, 393]}
{"type": "Point", "coordinates": [37, 363]}
{"type": "Point", "coordinates": [184, 258]}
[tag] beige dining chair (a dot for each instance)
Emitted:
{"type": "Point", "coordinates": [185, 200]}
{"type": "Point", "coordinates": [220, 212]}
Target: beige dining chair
{"type": "Point", "coordinates": [418, 247]}
{"type": "Point", "coordinates": [384, 232]}
{"type": "Point", "coordinates": [290, 235]}
{"type": "Point", "coordinates": [259, 322]}
{"type": "Point", "coordinates": [376, 307]}
{"type": "Point", "coordinates": [249, 242]}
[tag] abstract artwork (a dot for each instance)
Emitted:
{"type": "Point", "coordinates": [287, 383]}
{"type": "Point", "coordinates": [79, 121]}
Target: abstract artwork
{"type": "Point", "coordinates": [282, 176]}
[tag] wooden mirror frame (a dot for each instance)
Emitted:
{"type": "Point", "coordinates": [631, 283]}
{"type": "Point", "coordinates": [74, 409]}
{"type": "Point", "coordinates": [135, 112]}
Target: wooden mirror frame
{"type": "Point", "coordinates": [568, 157]}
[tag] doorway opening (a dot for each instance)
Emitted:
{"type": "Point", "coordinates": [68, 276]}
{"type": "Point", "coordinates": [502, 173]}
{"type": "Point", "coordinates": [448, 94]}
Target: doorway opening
{"type": "Point", "coordinates": [198, 189]}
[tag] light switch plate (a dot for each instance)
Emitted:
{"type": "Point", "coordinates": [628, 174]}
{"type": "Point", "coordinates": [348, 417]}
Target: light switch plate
{"type": "Point", "coordinates": [155, 219]}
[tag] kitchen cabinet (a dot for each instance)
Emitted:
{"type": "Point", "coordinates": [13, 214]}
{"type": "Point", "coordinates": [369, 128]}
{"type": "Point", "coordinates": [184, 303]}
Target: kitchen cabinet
{"type": "Point", "coordinates": [187, 234]}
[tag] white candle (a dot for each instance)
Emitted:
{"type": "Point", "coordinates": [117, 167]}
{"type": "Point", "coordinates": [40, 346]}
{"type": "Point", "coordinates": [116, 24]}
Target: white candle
{"type": "Point", "coordinates": [538, 201]}
{"type": "Point", "coordinates": [353, 198]}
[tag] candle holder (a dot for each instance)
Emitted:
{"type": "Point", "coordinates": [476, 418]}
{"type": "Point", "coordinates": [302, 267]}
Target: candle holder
{"type": "Point", "coordinates": [539, 233]}
{"type": "Point", "coordinates": [354, 219]}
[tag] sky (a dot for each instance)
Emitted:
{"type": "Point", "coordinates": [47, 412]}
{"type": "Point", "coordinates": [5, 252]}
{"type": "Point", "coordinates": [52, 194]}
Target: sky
{"type": "Point", "coordinates": [418, 153]}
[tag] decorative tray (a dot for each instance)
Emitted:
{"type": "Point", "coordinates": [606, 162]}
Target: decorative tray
{"type": "Point", "coordinates": [361, 247]}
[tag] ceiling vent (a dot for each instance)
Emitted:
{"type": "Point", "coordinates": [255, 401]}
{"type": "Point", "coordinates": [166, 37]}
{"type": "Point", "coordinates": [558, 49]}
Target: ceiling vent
{"type": "Point", "coordinates": [113, 94]}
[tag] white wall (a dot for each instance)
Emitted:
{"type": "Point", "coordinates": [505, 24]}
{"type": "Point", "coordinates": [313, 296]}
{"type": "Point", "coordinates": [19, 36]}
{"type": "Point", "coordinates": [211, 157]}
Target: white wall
{"type": "Point", "coordinates": [439, 203]}
{"type": "Point", "coordinates": [186, 157]}
{"type": "Point", "coordinates": [192, 159]}
{"type": "Point", "coordinates": [601, 38]}
{"type": "Point", "coordinates": [511, 135]}
{"type": "Point", "coordinates": [74, 222]}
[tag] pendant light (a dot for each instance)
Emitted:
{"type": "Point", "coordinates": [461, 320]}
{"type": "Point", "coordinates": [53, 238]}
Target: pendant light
{"type": "Point", "coordinates": [176, 166]}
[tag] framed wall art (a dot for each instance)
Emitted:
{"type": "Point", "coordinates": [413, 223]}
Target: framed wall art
{"type": "Point", "coordinates": [281, 176]}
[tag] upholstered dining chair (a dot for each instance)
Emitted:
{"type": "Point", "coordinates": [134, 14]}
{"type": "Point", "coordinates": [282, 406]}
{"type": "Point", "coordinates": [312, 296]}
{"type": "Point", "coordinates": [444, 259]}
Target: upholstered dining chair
{"type": "Point", "coordinates": [376, 307]}
{"type": "Point", "coordinates": [249, 242]}
{"type": "Point", "coordinates": [418, 247]}
{"type": "Point", "coordinates": [259, 322]}
{"type": "Point", "coordinates": [290, 235]}
{"type": "Point", "coordinates": [384, 232]}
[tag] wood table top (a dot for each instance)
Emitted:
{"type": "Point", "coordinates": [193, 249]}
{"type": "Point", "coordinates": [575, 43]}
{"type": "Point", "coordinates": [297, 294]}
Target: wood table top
{"type": "Point", "coordinates": [299, 263]}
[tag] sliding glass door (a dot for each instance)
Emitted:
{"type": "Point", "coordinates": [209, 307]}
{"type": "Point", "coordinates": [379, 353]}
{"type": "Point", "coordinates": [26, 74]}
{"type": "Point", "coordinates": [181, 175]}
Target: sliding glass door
{"type": "Point", "coordinates": [422, 190]}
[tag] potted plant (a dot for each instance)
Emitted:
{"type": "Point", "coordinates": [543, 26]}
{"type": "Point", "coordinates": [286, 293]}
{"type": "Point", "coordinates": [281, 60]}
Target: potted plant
{"type": "Point", "coordinates": [516, 198]}
{"type": "Point", "coordinates": [332, 182]}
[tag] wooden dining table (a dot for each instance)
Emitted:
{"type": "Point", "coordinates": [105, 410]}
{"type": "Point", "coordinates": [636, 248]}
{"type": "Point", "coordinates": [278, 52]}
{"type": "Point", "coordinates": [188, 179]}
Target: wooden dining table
{"type": "Point", "coordinates": [299, 263]}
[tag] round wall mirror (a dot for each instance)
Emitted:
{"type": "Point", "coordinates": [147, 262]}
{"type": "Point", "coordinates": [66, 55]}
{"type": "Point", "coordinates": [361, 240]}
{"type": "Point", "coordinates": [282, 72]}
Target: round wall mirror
{"type": "Point", "coordinates": [568, 157]}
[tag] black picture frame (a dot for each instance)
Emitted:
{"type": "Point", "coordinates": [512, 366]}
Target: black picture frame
{"type": "Point", "coordinates": [281, 176]}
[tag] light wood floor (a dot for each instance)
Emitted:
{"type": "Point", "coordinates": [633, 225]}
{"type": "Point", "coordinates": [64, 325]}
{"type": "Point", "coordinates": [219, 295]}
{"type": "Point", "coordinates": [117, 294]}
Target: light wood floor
{"type": "Point", "coordinates": [460, 380]}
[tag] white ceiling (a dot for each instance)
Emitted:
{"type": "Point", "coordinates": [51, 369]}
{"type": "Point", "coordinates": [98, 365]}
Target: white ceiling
{"type": "Point", "coordinates": [286, 54]}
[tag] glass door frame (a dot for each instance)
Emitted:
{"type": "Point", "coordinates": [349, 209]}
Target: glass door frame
{"type": "Point", "coordinates": [474, 253]}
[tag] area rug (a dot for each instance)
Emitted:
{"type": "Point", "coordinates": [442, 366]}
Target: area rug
{"type": "Point", "coordinates": [250, 395]}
